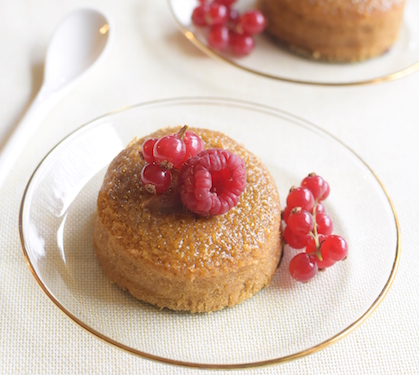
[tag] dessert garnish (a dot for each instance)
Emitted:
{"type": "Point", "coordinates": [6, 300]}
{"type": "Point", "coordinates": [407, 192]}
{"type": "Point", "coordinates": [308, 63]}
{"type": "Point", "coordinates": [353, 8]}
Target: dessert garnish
{"type": "Point", "coordinates": [309, 227]}
{"type": "Point", "coordinates": [210, 182]}
{"type": "Point", "coordinates": [156, 179]}
{"type": "Point", "coordinates": [165, 154]}
{"type": "Point", "coordinates": [228, 30]}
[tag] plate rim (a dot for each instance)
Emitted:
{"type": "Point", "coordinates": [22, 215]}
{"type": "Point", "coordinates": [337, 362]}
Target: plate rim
{"type": "Point", "coordinates": [210, 366]}
{"type": "Point", "coordinates": [191, 36]}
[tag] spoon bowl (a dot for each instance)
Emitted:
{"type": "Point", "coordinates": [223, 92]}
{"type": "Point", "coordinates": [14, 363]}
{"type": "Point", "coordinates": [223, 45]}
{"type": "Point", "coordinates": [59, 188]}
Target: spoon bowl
{"type": "Point", "coordinates": [78, 45]}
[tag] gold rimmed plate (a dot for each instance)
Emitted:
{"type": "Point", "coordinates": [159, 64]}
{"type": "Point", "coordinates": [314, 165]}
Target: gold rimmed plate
{"type": "Point", "coordinates": [272, 61]}
{"type": "Point", "coordinates": [286, 320]}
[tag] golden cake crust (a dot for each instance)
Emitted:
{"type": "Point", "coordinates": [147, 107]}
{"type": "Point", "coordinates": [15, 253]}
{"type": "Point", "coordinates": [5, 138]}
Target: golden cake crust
{"type": "Point", "coordinates": [335, 30]}
{"type": "Point", "coordinates": [171, 258]}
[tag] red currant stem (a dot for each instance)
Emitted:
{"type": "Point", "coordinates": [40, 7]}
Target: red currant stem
{"type": "Point", "coordinates": [166, 164]}
{"type": "Point", "coordinates": [182, 131]}
{"type": "Point", "coordinates": [315, 234]}
{"type": "Point", "coordinates": [151, 189]}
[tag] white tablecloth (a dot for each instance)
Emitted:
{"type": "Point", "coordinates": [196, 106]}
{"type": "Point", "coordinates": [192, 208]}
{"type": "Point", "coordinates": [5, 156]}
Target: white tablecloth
{"type": "Point", "coordinates": [150, 59]}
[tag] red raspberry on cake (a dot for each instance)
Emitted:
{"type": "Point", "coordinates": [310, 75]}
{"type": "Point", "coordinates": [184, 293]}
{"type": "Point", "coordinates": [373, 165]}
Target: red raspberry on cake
{"type": "Point", "coordinates": [212, 181]}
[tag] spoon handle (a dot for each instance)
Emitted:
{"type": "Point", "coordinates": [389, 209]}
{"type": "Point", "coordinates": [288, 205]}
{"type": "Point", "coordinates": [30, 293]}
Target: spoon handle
{"type": "Point", "coordinates": [22, 134]}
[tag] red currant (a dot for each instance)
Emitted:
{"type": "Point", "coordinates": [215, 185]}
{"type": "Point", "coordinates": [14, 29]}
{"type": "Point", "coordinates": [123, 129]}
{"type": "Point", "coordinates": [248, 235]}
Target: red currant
{"type": "Point", "coordinates": [286, 213]}
{"type": "Point", "coordinates": [303, 267]}
{"type": "Point", "coordinates": [252, 22]}
{"type": "Point", "coordinates": [218, 37]}
{"type": "Point", "coordinates": [334, 248]}
{"type": "Point", "coordinates": [300, 222]}
{"type": "Point", "coordinates": [193, 144]}
{"type": "Point", "coordinates": [217, 14]}
{"type": "Point", "coordinates": [318, 209]}
{"type": "Point", "coordinates": [324, 224]}
{"type": "Point", "coordinates": [300, 197]}
{"type": "Point", "coordinates": [233, 18]}
{"type": "Point", "coordinates": [199, 13]}
{"type": "Point", "coordinates": [315, 184]}
{"type": "Point", "coordinates": [315, 235]}
{"type": "Point", "coordinates": [294, 240]}
{"type": "Point", "coordinates": [155, 179]}
{"type": "Point", "coordinates": [171, 149]}
{"type": "Point", "coordinates": [241, 44]}
{"type": "Point", "coordinates": [227, 3]}
{"type": "Point", "coordinates": [311, 248]}
{"type": "Point", "coordinates": [241, 27]}
{"type": "Point", "coordinates": [326, 191]}
{"type": "Point", "coordinates": [147, 150]}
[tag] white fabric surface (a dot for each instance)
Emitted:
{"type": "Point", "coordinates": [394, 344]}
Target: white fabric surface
{"type": "Point", "coordinates": [151, 59]}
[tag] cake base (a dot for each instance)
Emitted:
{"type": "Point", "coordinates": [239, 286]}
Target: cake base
{"type": "Point", "coordinates": [337, 30]}
{"type": "Point", "coordinates": [171, 258]}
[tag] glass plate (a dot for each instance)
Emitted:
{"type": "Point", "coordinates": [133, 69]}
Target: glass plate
{"type": "Point", "coordinates": [270, 60]}
{"type": "Point", "coordinates": [284, 321]}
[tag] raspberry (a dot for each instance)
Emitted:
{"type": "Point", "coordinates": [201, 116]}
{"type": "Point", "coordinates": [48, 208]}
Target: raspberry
{"type": "Point", "coordinates": [211, 182]}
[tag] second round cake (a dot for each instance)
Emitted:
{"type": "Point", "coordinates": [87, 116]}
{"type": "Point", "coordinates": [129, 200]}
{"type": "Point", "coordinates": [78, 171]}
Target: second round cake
{"type": "Point", "coordinates": [169, 257]}
{"type": "Point", "coordinates": [335, 30]}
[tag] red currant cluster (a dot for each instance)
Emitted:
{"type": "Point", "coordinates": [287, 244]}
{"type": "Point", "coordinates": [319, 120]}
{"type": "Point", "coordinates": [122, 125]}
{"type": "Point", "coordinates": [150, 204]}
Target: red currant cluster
{"type": "Point", "coordinates": [308, 226]}
{"type": "Point", "coordinates": [227, 28]}
{"type": "Point", "coordinates": [164, 154]}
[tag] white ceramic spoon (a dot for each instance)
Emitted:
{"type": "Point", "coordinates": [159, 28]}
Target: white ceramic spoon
{"type": "Point", "coordinates": [79, 43]}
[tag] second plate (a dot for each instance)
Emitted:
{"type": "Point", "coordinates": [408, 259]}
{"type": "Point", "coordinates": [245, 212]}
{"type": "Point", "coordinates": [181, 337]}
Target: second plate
{"type": "Point", "coordinates": [271, 61]}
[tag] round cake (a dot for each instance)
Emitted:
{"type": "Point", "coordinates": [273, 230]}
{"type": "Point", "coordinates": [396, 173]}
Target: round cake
{"type": "Point", "coordinates": [167, 256]}
{"type": "Point", "coordinates": [335, 30]}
